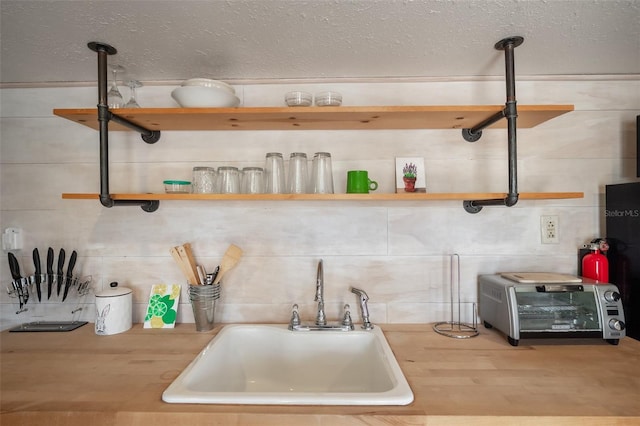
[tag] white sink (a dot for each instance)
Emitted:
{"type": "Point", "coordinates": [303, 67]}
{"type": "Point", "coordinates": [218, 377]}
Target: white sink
{"type": "Point", "coordinates": [268, 364]}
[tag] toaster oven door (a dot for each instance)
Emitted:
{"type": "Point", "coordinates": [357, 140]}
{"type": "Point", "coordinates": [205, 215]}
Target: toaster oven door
{"type": "Point", "coordinates": [564, 313]}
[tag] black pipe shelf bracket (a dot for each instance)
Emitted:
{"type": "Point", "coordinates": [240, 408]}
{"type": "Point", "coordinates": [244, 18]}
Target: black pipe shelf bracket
{"type": "Point", "coordinates": [104, 117]}
{"type": "Point", "coordinates": [510, 112]}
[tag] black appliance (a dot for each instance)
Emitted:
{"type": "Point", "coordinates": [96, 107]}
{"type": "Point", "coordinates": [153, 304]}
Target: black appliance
{"type": "Point", "coordinates": [623, 234]}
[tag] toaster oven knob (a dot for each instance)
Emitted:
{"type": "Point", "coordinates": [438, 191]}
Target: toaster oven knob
{"type": "Point", "coordinates": [615, 324]}
{"type": "Point", "coordinates": [611, 296]}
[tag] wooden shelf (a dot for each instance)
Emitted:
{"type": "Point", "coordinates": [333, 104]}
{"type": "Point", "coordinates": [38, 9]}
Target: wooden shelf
{"type": "Point", "coordinates": [316, 118]}
{"type": "Point", "coordinates": [333, 197]}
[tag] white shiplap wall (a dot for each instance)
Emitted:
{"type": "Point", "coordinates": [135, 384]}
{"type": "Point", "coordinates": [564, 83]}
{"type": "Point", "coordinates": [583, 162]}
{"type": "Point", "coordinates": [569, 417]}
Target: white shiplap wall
{"type": "Point", "coordinates": [397, 251]}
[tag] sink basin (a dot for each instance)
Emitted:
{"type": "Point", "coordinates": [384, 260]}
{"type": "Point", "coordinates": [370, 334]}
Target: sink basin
{"type": "Point", "coordinates": [268, 364]}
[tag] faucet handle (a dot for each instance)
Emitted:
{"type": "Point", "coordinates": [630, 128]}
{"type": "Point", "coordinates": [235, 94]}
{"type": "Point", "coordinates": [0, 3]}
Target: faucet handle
{"type": "Point", "coordinates": [346, 320]}
{"type": "Point", "coordinates": [295, 317]}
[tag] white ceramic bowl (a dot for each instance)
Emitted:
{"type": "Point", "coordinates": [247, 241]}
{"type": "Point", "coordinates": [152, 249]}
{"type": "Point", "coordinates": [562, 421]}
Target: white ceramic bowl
{"type": "Point", "coordinates": [207, 82]}
{"type": "Point", "coordinates": [204, 97]}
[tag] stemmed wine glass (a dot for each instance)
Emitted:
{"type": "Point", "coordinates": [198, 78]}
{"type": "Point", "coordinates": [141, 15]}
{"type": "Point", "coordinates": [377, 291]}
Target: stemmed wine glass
{"type": "Point", "coordinates": [133, 103]}
{"type": "Point", "coordinates": [114, 97]}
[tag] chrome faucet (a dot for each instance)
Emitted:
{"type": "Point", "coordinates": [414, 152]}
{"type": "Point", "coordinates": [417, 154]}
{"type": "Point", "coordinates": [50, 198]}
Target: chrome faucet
{"type": "Point", "coordinates": [321, 319]}
{"type": "Point", "coordinates": [362, 295]}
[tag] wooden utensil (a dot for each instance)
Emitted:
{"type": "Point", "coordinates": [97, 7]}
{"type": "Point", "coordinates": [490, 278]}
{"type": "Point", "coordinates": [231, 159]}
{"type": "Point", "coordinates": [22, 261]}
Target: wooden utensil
{"type": "Point", "coordinates": [229, 261]}
{"type": "Point", "coordinates": [187, 256]}
{"type": "Point", "coordinates": [189, 263]}
{"type": "Point", "coordinates": [183, 265]}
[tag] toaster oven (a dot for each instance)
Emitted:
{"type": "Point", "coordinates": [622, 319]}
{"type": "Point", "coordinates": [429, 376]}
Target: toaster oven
{"type": "Point", "coordinates": [537, 305]}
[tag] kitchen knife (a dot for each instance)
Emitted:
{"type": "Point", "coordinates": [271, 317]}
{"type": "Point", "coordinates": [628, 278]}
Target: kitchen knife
{"type": "Point", "coordinates": [67, 281]}
{"type": "Point", "coordinates": [38, 276]}
{"type": "Point", "coordinates": [49, 271]}
{"type": "Point", "coordinates": [60, 268]}
{"type": "Point", "coordinates": [14, 267]}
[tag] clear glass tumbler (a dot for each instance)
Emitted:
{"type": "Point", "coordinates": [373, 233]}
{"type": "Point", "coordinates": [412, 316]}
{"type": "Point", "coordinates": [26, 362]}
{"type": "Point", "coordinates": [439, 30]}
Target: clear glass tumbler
{"type": "Point", "coordinates": [204, 179]}
{"type": "Point", "coordinates": [298, 173]}
{"type": "Point", "coordinates": [229, 180]}
{"type": "Point", "coordinates": [322, 174]}
{"type": "Point", "coordinates": [274, 170]}
{"type": "Point", "coordinates": [252, 180]}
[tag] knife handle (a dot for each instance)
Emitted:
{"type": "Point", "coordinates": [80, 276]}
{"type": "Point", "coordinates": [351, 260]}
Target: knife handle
{"type": "Point", "coordinates": [60, 270]}
{"type": "Point", "coordinates": [67, 281]}
{"type": "Point", "coordinates": [36, 261]}
{"type": "Point", "coordinates": [14, 267]}
{"type": "Point", "coordinates": [49, 271]}
{"type": "Point", "coordinates": [61, 257]}
{"type": "Point", "coordinates": [72, 263]}
{"type": "Point", "coordinates": [50, 261]}
{"type": "Point", "coordinates": [38, 272]}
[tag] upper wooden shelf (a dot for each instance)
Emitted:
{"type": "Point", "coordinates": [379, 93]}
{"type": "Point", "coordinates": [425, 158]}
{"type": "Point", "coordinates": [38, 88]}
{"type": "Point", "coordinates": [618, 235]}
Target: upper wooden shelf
{"type": "Point", "coordinates": [402, 196]}
{"type": "Point", "coordinates": [316, 118]}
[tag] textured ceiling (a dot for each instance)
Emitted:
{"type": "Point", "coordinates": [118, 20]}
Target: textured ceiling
{"type": "Point", "coordinates": [46, 41]}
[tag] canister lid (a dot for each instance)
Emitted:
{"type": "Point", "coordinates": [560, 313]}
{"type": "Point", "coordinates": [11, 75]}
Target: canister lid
{"type": "Point", "coordinates": [114, 291]}
{"type": "Point", "coordinates": [176, 182]}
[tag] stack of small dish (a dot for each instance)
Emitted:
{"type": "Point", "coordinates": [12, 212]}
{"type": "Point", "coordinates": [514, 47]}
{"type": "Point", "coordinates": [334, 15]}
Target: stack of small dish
{"type": "Point", "coordinates": [205, 93]}
{"type": "Point", "coordinates": [299, 98]}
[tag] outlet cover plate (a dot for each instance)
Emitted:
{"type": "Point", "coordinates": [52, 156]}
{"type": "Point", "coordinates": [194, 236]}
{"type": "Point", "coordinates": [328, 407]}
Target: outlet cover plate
{"type": "Point", "coordinates": [549, 229]}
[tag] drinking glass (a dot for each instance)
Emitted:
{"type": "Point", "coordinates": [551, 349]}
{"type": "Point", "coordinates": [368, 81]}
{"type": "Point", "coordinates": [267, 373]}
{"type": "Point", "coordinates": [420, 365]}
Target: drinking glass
{"type": "Point", "coordinates": [114, 97]}
{"type": "Point", "coordinates": [133, 85]}
{"type": "Point", "coordinates": [229, 180]}
{"type": "Point", "coordinates": [274, 168]}
{"type": "Point", "coordinates": [322, 173]}
{"type": "Point", "coordinates": [204, 179]}
{"type": "Point", "coordinates": [252, 180]}
{"type": "Point", "coordinates": [298, 173]}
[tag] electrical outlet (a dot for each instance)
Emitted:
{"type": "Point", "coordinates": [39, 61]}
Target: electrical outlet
{"type": "Point", "coordinates": [549, 229]}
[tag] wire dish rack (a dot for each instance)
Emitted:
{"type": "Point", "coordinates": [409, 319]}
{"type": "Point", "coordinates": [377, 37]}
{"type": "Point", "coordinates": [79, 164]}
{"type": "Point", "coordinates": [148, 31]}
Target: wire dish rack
{"type": "Point", "coordinates": [456, 328]}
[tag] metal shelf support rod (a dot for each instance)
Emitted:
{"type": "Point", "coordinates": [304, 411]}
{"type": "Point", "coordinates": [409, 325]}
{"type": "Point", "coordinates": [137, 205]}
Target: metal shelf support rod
{"type": "Point", "coordinates": [104, 116]}
{"type": "Point", "coordinates": [510, 112]}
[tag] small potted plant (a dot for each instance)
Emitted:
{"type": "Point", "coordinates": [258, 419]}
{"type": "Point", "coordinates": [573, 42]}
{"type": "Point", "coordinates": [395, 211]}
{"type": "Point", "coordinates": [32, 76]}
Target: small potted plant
{"type": "Point", "coordinates": [409, 171]}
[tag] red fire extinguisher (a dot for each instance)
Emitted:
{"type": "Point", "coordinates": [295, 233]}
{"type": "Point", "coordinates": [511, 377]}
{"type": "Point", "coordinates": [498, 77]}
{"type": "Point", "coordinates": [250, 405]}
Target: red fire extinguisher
{"type": "Point", "coordinates": [595, 265]}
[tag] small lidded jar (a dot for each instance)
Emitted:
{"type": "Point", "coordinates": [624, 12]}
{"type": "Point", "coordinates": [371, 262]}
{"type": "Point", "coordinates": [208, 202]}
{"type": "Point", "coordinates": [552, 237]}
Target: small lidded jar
{"type": "Point", "coordinates": [177, 186]}
{"type": "Point", "coordinates": [113, 310]}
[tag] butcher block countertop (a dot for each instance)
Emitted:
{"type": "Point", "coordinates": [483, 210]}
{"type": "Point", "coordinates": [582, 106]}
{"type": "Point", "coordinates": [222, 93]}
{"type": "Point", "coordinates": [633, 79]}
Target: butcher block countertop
{"type": "Point", "coordinates": [78, 378]}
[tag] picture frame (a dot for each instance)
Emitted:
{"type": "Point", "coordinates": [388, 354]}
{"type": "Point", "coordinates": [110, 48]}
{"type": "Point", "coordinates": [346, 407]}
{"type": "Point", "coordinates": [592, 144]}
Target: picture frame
{"type": "Point", "coordinates": [163, 306]}
{"type": "Point", "coordinates": [411, 168]}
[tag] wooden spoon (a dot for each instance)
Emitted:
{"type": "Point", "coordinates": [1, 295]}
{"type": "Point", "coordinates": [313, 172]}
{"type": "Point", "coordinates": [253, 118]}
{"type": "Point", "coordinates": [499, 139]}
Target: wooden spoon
{"type": "Point", "coordinates": [229, 261]}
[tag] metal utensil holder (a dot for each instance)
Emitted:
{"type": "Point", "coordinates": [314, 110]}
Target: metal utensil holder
{"type": "Point", "coordinates": [24, 289]}
{"type": "Point", "coordinates": [452, 328]}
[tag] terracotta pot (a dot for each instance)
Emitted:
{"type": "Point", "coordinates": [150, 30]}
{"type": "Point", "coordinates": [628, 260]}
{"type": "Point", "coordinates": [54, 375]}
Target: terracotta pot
{"type": "Point", "coordinates": [409, 184]}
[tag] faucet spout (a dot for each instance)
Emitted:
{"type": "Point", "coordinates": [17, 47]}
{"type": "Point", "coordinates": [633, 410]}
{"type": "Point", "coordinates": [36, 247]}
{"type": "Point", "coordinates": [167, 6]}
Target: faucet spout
{"type": "Point", "coordinates": [321, 318]}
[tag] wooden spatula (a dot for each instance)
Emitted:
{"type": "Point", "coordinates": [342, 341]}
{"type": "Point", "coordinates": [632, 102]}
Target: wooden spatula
{"type": "Point", "coordinates": [190, 263]}
{"type": "Point", "coordinates": [229, 261]}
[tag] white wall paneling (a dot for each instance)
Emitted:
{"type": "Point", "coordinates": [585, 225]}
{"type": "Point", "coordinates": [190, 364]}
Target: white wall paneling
{"type": "Point", "coordinates": [397, 251]}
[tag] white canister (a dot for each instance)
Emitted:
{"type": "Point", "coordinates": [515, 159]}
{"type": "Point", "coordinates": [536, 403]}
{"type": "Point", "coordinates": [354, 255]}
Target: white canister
{"type": "Point", "coordinates": [113, 310]}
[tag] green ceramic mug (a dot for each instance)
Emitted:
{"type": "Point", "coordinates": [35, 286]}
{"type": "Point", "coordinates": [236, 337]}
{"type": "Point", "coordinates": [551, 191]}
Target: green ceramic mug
{"type": "Point", "coordinates": [358, 182]}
